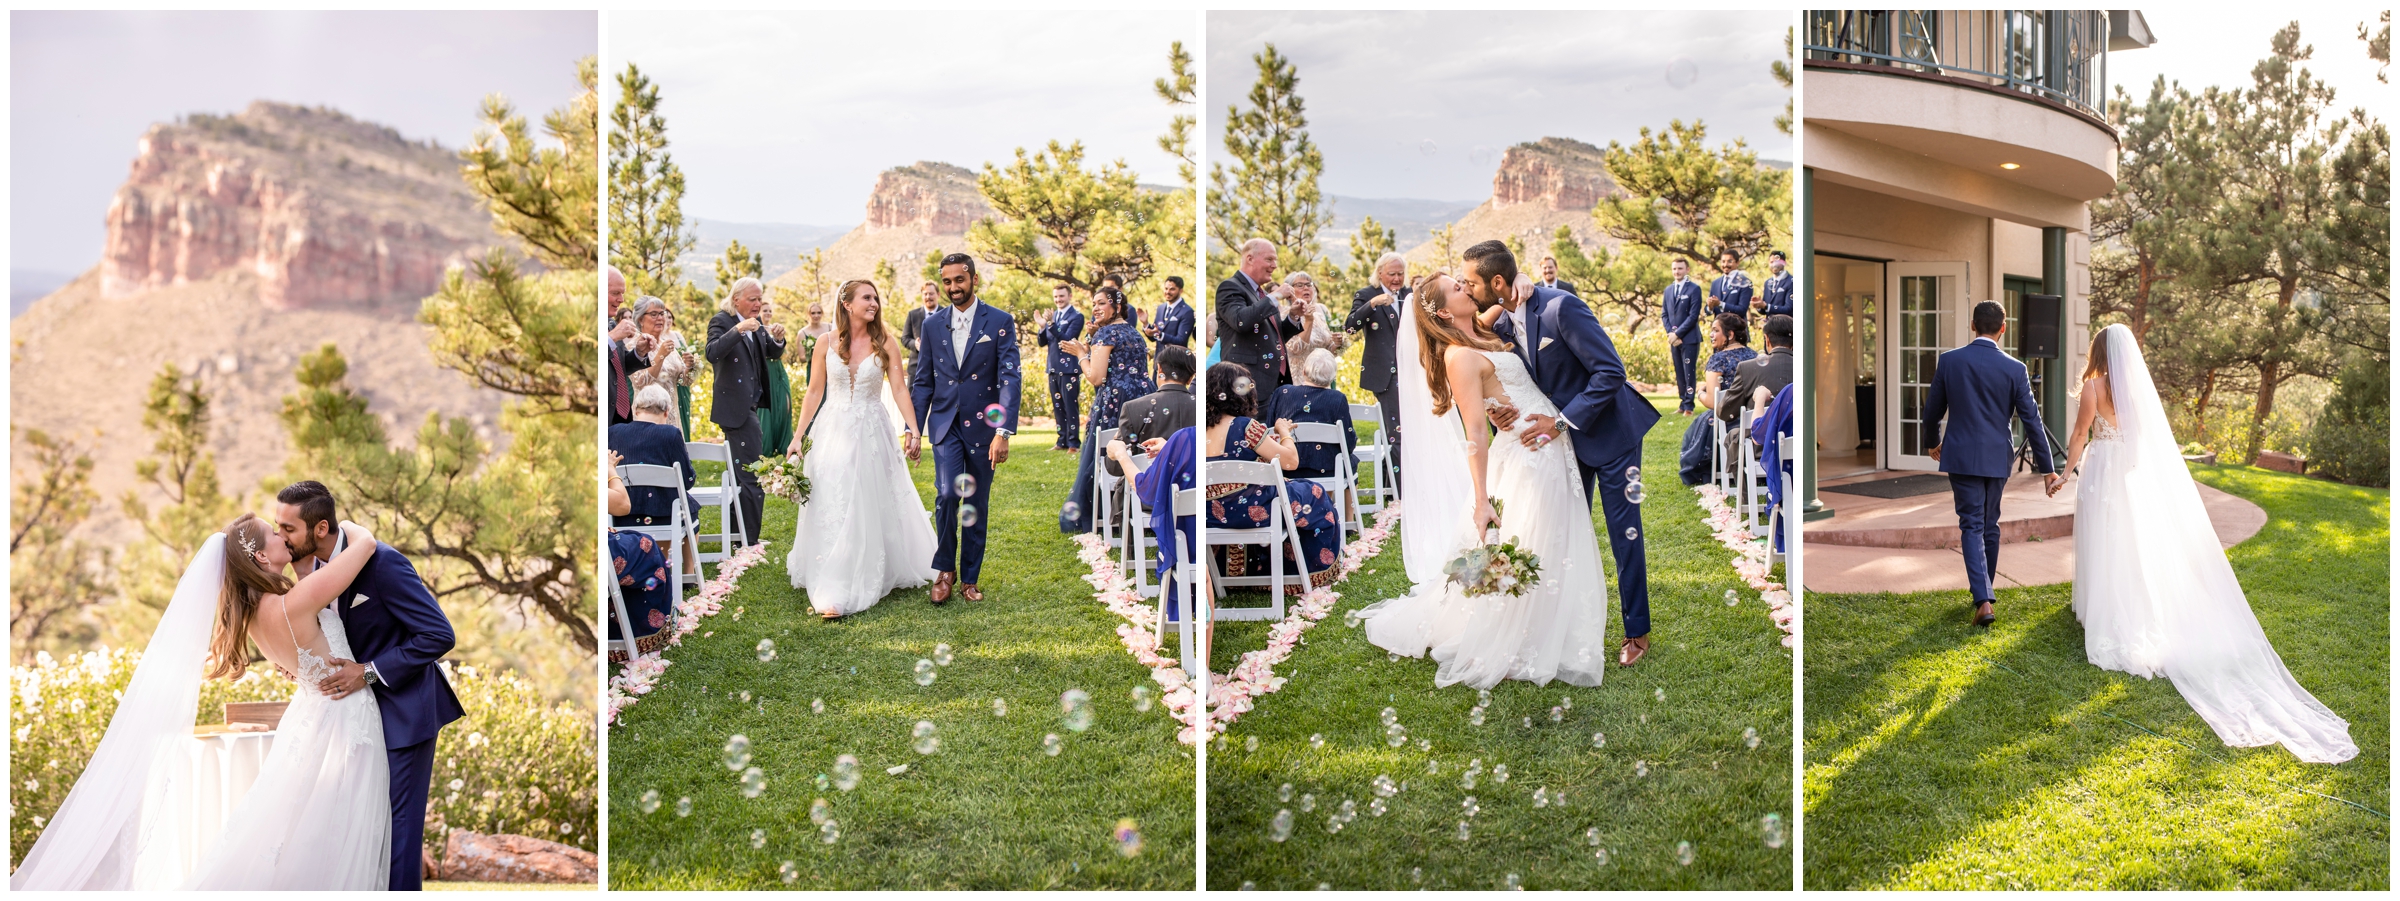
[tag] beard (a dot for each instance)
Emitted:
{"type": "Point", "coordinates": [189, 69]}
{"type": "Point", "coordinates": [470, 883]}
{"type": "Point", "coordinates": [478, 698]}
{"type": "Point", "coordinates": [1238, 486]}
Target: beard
{"type": "Point", "coordinates": [300, 550]}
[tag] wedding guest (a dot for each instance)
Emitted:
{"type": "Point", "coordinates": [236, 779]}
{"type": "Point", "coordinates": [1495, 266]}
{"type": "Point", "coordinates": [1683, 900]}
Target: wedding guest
{"type": "Point", "coordinates": [1233, 435]}
{"type": "Point", "coordinates": [1730, 293]}
{"type": "Point", "coordinates": [1171, 323]}
{"type": "Point", "coordinates": [673, 362]}
{"type": "Point", "coordinates": [1249, 322]}
{"type": "Point", "coordinates": [1774, 423]}
{"type": "Point", "coordinates": [652, 438]}
{"type": "Point", "coordinates": [623, 360]}
{"type": "Point", "coordinates": [1171, 470]}
{"type": "Point", "coordinates": [1775, 297]}
{"type": "Point", "coordinates": [775, 421]}
{"type": "Point", "coordinates": [1163, 412]}
{"type": "Point", "coordinates": [1316, 326]}
{"type": "Point", "coordinates": [1314, 399]}
{"type": "Point", "coordinates": [642, 578]}
{"type": "Point", "coordinates": [914, 330]}
{"type": "Point", "coordinates": [1133, 314]}
{"type": "Point", "coordinates": [1053, 329]}
{"type": "Point", "coordinates": [1550, 277]}
{"type": "Point", "coordinates": [1117, 364]}
{"type": "Point", "coordinates": [1681, 314]}
{"type": "Point", "coordinates": [739, 346]}
{"type": "Point", "coordinates": [1729, 339]}
{"type": "Point", "coordinates": [1768, 372]}
{"type": "Point", "coordinates": [1375, 316]}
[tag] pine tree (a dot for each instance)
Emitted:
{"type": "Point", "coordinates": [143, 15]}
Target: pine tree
{"type": "Point", "coordinates": [1055, 221]}
{"type": "Point", "coordinates": [1271, 190]}
{"type": "Point", "coordinates": [1683, 199]}
{"type": "Point", "coordinates": [1368, 244]}
{"type": "Point", "coordinates": [738, 263]}
{"type": "Point", "coordinates": [549, 197]}
{"type": "Point", "coordinates": [182, 470]}
{"type": "Point", "coordinates": [647, 235]}
{"type": "Point", "coordinates": [1172, 241]}
{"type": "Point", "coordinates": [54, 578]}
{"type": "Point", "coordinates": [1782, 70]}
{"type": "Point", "coordinates": [1632, 280]}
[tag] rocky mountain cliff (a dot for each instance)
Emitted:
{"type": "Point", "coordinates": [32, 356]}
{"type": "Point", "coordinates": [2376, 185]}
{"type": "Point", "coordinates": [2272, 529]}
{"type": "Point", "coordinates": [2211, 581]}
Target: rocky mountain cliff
{"type": "Point", "coordinates": [1539, 186]}
{"type": "Point", "coordinates": [323, 207]}
{"type": "Point", "coordinates": [237, 244]}
{"type": "Point", "coordinates": [912, 210]}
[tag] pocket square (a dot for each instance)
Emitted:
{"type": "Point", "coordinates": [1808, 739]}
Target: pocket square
{"type": "Point", "coordinates": [1544, 345]}
{"type": "Point", "coordinates": [357, 599]}
{"type": "Point", "coordinates": [987, 339]}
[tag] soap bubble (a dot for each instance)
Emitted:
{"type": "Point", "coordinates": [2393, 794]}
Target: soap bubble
{"type": "Point", "coordinates": [1390, 716]}
{"type": "Point", "coordinates": [1416, 875]}
{"type": "Point", "coordinates": [1500, 774]}
{"type": "Point", "coordinates": [1633, 534]}
{"type": "Point", "coordinates": [758, 839]}
{"type": "Point", "coordinates": [968, 515]}
{"type": "Point", "coordinates": [1250, 744]}
{"type": "Point", "coordinates": [1424, 744]}
{"type": "Point", "coordinates": [1469, 806]}
{"type": "Point", "coordinates": [1770, 829]}
{"type": "Point", "coordinates": [1071, 511]}
{"type": "Point", "coordinates": [745, 697]}
{"type": "Point", "coordinates": [1284, 793]}
{"type": "Point", "coordinates": [1641, 768]}
{"type": "Point", "coordinates": [845, 772]}
{"type": "Point", "coordinates": [649, 801]}
{"type": "Point", "coordinates": [1467, 780]}
{"type": "Point", "coordinates": [1349, 810]}
{"type": "Point", "coordinates": [1394, 735]}
{"type": "Point", "coordinates": [683, 806]}
{"type": "Point", "coordinates": [995, 414]}
{"type": "Point", "coordinates": [1377, 807]}
{"type": "Point", "coordinates": [942, 655]}
{"type": "Point", "coordinates": [1750, 737]}
{"type": "Point", "coordinates": [1635, 493]}
{"type": "Point", "coordinates": [1565, 702]}
{"type": "Point", "coordinates": [1599, 739]}
{"type": "Point", "coordinates": [1428, 147]}
{"type": "Point", "coordinates": [1659, 693]}
{"type": "Point", "coordinates": [963, 485]}
{"type": "Point", "coordinates": [766, 650]}
{"type": "Point", "coordinates": [1128, 838]}
{"type": "Point", "coordinates": [926, 742]}
{"type": "Point", "coordinates": [1600, 855]}
{"type": "Point", "coordinates": [1462, 830]}
{"type": "Point", "coordinates": [1433, 767]}
{"type": "Point", "coordinates": [1308, 803]}
{"type": "Point", "coordinates": [1051, 744]}
{"type": "Point", "coordinates": [1682, 73]}
{"type": "Point", "coordinates": [925, 674]}
{"type": "Point", "coordinates": [1481, 155]}
{"type": "Point", "coordinates": [816, 705]}
{"type": "Point", "coordinates": [1483, 697]}
{"type": "Point", "coordinates": [1384, 786]}
{"type": "Point", "coordinates": [1242, 385]}
{"type": "Point", "coordinates": [1352, 619]}
{"type": "Point", "coordinates": [830, 832]}
{"type": "Point", "coordinates": [1683, 853]}
{"type": "Point", "coordinates": [1141, 704]}
{"type": "Point", "coordinates": [1541, 797]}
{"type": "Point", "coordinates": [1731, 598]}
{"type": "Point", "coordinates": [789, 871]}
{"type": "Point", "coordinates": [1316, 740]}
{"type": "Point", "coordinates": [1475, 716]}
{"type": "Point", "coordinates": [1514, 882]}
{"type": "Point", "coordinates": [819, 811]}
{"type": "Point", "coordinates": [1075, 710]}
{"type": "Point", "coordinates": [754, 782]}
{"type": "Point", "coordinates": [737, 753]}
{"type": "Point", "coordinates": [1558, 714]}
{"type": "Point", "coordinates": [1592, 836]}
{"type": "Point", "coordinates": [1280, 827]}
{"type": "Point", "coordinates": [823, 783]}
{"type": "Point", "coordinates": [1000, 707]}
{"type": "Point", "coordinates": [1335, 823]}
{"type": "Point", "coordinates": [1633, 473]}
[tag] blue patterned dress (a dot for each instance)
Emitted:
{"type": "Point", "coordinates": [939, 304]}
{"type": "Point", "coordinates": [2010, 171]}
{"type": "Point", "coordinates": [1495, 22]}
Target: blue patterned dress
{"type": "Point", "coordinates": [1314, 511]}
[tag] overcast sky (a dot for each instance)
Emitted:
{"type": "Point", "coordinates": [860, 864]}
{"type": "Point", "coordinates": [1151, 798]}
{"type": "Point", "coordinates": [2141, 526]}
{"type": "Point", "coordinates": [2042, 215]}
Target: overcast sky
{"type": "Point", "coordinates": [2217, 46]}
{"type": "Point", "coordinates": [788, 116]}
{"type": "Point", "coordinates": [84, 86]}
{"type": "Point", "coordinates": [1420, 104]}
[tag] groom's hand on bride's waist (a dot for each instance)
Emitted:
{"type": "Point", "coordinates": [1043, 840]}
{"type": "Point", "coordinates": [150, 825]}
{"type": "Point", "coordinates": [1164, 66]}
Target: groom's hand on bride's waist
{"type": "Point", "coordinates": [1539, 430]}
{"type": "Point", "coordinates": [1502, 413]}
{"type": "Point", "coordinates": [349, 677]}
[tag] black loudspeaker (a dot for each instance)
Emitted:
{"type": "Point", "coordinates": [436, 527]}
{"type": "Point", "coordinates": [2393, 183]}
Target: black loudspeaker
{"type": "Point", "coordinates": [2041, 317]}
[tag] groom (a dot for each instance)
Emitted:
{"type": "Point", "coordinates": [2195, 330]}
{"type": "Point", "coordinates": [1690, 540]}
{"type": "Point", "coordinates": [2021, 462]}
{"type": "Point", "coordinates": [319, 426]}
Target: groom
{"type": "Point", "coordinates": [965, 390]}
{"type": "Point", "coordinates": [1577, 367]}
{"type": "Point", "coordinates": [397, 628]}
{"type": "Point", "coordinates": [1979, 386]}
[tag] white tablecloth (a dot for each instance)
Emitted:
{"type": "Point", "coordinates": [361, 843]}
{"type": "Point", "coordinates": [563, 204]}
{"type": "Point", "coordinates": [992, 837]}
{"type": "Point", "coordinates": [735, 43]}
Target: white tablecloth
{"type": "Point", "coordinates": [221, 768]}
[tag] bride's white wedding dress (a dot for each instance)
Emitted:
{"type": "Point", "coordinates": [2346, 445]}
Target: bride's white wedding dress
{"type": "Point", "coordinates": [1559, 629]}
{"type": "Point", "coordinates": [864, 531]}
{"type": "Point", "coordinates": [2155, 592]}
{"type": "Point", "coordinates": [318, 816]}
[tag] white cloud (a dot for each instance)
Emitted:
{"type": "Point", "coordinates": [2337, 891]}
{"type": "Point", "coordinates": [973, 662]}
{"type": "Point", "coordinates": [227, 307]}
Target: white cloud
{"type": "Point", "coordinates": [2204, 46]}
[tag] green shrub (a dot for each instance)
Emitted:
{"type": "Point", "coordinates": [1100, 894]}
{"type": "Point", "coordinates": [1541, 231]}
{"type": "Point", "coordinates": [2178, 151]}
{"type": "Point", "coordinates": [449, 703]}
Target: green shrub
{"type": "Point", "coordinates": [519, 766]}
{"type": "Point", "coordinates": [1647, 358]}
{"type": "Point", "coordinates": [2351, 439]}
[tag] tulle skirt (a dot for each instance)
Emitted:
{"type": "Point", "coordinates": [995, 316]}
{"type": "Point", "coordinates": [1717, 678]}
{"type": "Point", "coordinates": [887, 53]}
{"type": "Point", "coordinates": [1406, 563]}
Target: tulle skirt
{"type": "Point", "coordinates": [864, 531]}
{"type": "Point", "coordinates": [320, 815]}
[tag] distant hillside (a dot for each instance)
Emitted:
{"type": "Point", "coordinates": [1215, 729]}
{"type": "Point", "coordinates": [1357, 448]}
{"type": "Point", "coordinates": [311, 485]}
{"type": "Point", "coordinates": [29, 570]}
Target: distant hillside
{"type": "Point", "coordinates": [1410, 218]}
{"type": "Point", "coordinates": [781, 243]}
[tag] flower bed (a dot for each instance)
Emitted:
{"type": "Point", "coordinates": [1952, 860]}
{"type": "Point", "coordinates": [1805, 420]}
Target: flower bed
{"type": "Point", "coordinates": [638, 676]}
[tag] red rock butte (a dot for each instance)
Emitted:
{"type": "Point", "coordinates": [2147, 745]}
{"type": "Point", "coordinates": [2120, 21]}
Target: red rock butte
{"type": "Point", "coordinates": [323, 208]}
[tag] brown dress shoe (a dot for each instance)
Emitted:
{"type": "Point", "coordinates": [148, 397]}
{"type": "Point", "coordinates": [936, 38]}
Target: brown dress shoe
{"type": "Point", "coordinates": [941, 587]}
{"type": "Point", "coordinates": [1631, 653]}
{"type": "Point", "coordinates": [970, 592]}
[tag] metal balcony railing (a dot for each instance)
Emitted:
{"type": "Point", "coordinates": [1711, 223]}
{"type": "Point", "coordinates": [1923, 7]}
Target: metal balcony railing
{"type": "Point", "coordinates": [2057, 55]}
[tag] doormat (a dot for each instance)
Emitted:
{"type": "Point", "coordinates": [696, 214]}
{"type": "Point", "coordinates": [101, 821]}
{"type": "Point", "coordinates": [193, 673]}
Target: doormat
{"type": "Point", "coordinates": [1902, 486]}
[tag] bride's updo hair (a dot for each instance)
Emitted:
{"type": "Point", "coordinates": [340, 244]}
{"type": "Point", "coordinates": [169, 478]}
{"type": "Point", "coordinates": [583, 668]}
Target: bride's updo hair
{"type": "Point", "coordinates": [842, 325]}
{"type": "Point", "coordinates": [1436, 335]}
{"type": "Point", "coordinates": [237, 601]}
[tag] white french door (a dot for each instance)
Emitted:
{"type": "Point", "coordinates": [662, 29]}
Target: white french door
{"type": "Point", "coordinates": [1924, 314]}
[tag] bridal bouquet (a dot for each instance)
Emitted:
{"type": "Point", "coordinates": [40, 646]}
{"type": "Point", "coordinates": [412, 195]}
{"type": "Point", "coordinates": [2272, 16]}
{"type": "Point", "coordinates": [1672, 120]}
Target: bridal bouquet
{"type": "Point", "coordinates": [1495, 568]}
{"type": "Point", "coordinates": [779, 477]}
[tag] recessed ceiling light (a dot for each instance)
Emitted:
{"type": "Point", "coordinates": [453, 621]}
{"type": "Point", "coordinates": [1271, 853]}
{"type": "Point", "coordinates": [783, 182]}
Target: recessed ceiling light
{"type": "Point", "coordinates": [2008, 165]}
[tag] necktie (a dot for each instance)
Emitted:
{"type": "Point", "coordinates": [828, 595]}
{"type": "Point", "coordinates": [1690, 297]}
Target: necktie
{"type": "Point", "coordinates": [616, 367]}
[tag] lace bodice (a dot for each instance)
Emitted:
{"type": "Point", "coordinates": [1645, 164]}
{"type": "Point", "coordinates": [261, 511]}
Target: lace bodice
{"type": "Point", "coordinates": [312, 666]}
{"type": "Point", "coordinates": [1517, 383]}
{"type": "Point", "coordinates": [2104, 430]}
{"type": "Point", "coordinates": [846, 385]}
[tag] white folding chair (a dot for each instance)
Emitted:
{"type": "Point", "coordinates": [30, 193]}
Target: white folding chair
{"type": "Point", "coordinates": [1786, 446]}
{"type": "Point", "coordinates": [1106, 491]}
{"type": "Point", "coordinates": [1194, 601]}
{"type": "Point", "coordinates": [1275, 536]}
{"type": "Point", "coordinates": [1374, 457]}
{"type": "Point", "coordinates": [616, 598]}
{"type": "Point", "coordinates": [1343, 484]}
{"type": "Point", "coordinates": [1720, 468]}
{"type": "Point", "coordinates": [726, 496]}
{"type": "Point", "coordinates": [672, 535]}
{"type": "Point", "coordinates": [1754, 497]}
{"type": "Point", "coordinates": [1138, 540]}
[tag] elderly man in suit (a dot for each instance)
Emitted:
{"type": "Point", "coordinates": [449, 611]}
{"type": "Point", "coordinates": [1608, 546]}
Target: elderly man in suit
{"type": "Point", "coordinates": [1980, 387]}
{"type": "Point", "coordinates": [1550, 277]}
{"type": "Point", "coordinates": [1053, 330]}
{"type": "Point", "coordinates": [740, 342]}
{"type": "Point", "coordinates": [1681, 313]}
{"type": "Point", "coordinates": [1249, 324]}
{"type": "Point", "coordinates": [1375, 315]}
{"type": "Point", "coordinates": [622, 334]}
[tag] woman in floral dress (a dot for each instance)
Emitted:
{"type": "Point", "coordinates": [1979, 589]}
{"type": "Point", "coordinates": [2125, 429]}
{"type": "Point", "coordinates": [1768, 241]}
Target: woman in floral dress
{"type": "Point", "coordinates": [1116, 361]}
{"type": "Point", "coordinates": [1234, 436]}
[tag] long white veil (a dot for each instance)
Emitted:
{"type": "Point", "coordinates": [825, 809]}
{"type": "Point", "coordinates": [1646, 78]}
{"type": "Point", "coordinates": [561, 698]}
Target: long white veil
{"type": "Point", "coordinates": [1441, 495]}
{"type": "Point", "coordinates": [2217, 656]}
{"type": "Point", "coordinates": [118, 828]}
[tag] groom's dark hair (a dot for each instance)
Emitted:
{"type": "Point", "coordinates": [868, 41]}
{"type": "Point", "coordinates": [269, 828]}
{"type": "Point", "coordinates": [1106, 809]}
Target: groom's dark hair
{"type": "Point", "coordinates": [1989, 317]}
{"type": "Point", "coordinates": [1491, 258]}
{"type": "Point", "coordinates": [314, 500]}
{"type": "Point", "coordinates": [959, 259]}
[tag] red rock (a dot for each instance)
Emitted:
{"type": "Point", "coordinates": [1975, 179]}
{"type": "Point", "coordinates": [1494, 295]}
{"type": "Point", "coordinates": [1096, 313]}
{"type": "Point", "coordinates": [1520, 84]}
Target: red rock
{"type": "Point", "coordinates": [1557, 173]}
{"type": "Point", "coordinates": [937, 198]}
{"type": "Point", "coordinates": [2281, 462]}
{"type": "Point", "coordinates": [475, 857]}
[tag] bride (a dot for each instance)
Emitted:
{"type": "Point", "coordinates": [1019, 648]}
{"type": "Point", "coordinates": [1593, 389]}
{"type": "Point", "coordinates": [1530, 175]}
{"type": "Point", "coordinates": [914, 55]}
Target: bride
{"type": "Point", "coordinates": [2152, 586]}
{"type": "Point", "coordinates": [1452, 369]}
{"type": "Point", "coordinates": [319, 814]}
{"type": "Point", "coordinates": [863, 531]}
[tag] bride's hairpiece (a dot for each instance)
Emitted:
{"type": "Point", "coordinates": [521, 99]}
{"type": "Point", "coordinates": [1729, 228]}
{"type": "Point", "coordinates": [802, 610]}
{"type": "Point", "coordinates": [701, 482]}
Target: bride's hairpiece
{"type": "Point", "coordinates": [249, 542]}
{"type": "Point", "coordinates": [1425, 299]}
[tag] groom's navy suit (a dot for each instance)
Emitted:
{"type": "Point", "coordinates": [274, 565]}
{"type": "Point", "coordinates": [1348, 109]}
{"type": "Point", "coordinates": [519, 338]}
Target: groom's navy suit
{"type": "Point", "coordinates": [951, 398]}
{"type": "Point", "coordinates": [1577, 367]}
{"type": "Point", "coordinates": [1980, 387]}
{"type": "Point", "coordinates": [397, 627]}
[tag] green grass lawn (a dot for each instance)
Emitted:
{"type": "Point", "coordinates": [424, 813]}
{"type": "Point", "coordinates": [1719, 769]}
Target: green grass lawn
{"type": "Point", "coordinates": [989, 810]}
{"type": "Point", "coordinates": [1942, 756]}
{"type": "Point", "coordinates": [1722, 669]}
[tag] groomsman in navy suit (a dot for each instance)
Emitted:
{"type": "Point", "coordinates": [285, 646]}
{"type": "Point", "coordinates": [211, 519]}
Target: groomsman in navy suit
{"type": "Point", "coordinates": [1577, 367]}
{"type": "Point", "coordinates": [965, 389]}
{"type": "Point", "coordinates": [1171, 322]}
{"type": "Point", "coordinates": [1731, 292]}
{"type": "Point", "coordinates": [1979, 386]}
{"type": "Point", "coordinates": [1775, 297]}
{"type": "Point", "coordinates": [1066, 373]}
{"type": "Point", "coordinates": [1682, 315]}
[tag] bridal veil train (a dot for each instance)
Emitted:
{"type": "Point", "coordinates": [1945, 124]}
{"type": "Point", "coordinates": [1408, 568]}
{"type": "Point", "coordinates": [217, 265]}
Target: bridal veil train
{"type": "Point", "coordinates": [2155, 592]}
